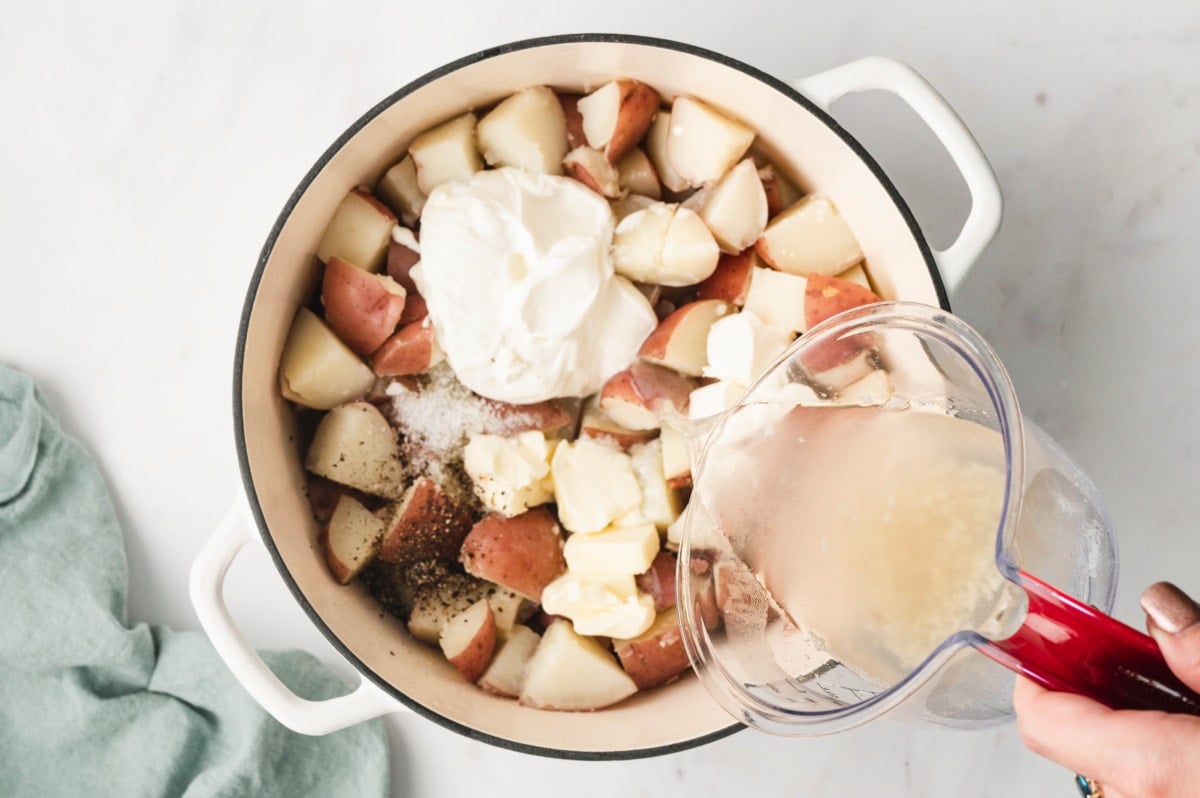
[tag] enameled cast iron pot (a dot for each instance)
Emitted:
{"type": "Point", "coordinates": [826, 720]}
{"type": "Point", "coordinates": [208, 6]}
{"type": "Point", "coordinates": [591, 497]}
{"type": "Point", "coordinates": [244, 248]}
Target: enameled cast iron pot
{"type": "Point", "coordinates": [795, 132]}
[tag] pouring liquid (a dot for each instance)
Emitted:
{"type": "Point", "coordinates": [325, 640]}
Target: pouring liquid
{"type": "Point", "coordinates": [872, 529]}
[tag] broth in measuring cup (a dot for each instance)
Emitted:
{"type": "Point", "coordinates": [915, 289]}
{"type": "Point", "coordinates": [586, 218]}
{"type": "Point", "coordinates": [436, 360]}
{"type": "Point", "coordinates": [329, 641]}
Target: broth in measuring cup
{"type": "Point", "coordinates": [872, 529]}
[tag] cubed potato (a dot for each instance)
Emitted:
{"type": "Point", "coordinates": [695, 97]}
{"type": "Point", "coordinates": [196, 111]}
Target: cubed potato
{"type": "Point", "coordinates": [352, 538]}
{"type": "Point", "coordinates": [657, 655]}
{"type": "Point", "coordinates": [572, 672]}
{"type": "Point", "coordinates": [317, 369]}
{"type": "Point", "coordinates": [527, 130]}
{"type": "Point", "coordinates": [426, 524]}
{"type": "Point", "coordinates": [445, 153]}
{"type": "Point", "coordinates": [469, 639]}
{"type": "Point", "coordinates": [358, 232]}
{"type": "Point", "coordinates": [522, 553]}
{"type": "Point", "coordinates": [506, 674]}
{"type": "Point", "coordinates": [809, 237]}
{"type": "Point", "coordinates": [354, 445]}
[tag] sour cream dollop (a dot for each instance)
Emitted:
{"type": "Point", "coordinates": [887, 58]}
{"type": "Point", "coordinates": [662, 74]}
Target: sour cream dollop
{"type": "Point", "coordinates": [516, 272]}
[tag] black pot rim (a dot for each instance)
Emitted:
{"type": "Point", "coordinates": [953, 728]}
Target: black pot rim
{"type": "Point", "coordinates": [269, 246]}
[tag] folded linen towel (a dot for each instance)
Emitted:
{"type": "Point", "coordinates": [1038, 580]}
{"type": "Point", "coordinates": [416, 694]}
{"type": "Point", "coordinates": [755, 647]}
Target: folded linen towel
{"type": "Point", "coordinates": [91, 705]}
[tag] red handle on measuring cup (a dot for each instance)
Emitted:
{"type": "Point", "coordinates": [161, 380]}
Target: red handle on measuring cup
{"type": "Point", "coordinates": [1067, 645]}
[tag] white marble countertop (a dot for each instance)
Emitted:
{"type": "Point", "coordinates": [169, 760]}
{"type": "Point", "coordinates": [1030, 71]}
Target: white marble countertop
{"type": "Point", "coordinates": [149, 146]}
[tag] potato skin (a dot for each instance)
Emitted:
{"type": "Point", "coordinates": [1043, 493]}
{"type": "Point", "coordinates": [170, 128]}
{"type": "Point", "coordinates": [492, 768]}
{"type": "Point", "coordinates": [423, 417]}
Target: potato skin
{"type": "Point", "coordinates": [659, 580]}
{"type": "Point", "coordinates": [522, 553]}
{"type": "Point", "coordinates": [426, 524]}
{"type": "Point", "coordinates": [359, 306]}
{"type": "Point", "coordinates": [828, 296]}
{"type": "Point", "coordinates": [657, 656]}
{"type": "Point", "coordinates": [474, 654]}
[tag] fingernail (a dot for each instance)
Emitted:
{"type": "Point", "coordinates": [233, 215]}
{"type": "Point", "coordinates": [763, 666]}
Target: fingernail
{"type": "Point", "coordinates": [1170, 608]}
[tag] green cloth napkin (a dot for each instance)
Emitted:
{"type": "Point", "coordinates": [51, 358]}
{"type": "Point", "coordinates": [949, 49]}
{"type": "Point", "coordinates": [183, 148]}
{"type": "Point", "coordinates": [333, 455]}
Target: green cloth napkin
{"type": "Point", "coordinates": [91, 706]}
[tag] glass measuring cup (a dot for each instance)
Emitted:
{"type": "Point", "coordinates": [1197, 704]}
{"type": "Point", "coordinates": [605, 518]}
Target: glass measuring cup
{"type": "Point", "coordinates": [798, 662]}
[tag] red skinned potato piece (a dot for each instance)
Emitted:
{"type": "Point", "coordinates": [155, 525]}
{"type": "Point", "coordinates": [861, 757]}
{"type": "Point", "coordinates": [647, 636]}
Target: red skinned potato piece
{"type": "Point", "coordinates": [573, 672]}
{"type": "Point", "coordinates": [469, 639]}
{"type": "Point", "coordinates": [701, 566]}
{"type": "Point", "coordinates": [809, 236]}
{"type": "Point", "coordinates": [657, 139]}
{"type": "Point", "coordinates": [663, 390]}
{"type": "Point", "coordinates": [677, 469]}
{"type": "Point", "coordinates": [438, 595]}
{"type": "Point", "coordinates": [637, 175]}
{"type": "Point", "coordinates": [590, 167]}
{"type": "Point", "coordinates": [358, 232]}
{"type": "Point", "coordinates": [570, 106]}
{"type": "Point", "coordinates": [526, 130]}
{"type": "Point", "coordinates": [426, 524]}
{"type": "Point", "coordinates": [772, 189]}
{"type": "Point", "coordinates": [522, 553]}
{"type": "Point", "coordinates": [780, 191]}
{"type": "Point", "coordinates": [644, 394]}
{"type": "Point", "coordinates": [837, 363]}
{"type": "Point", "coordinates": [596, 424]}
{"type": "Point", "coordinates": [555, 418]}
{"type": "Point", "coordinates": [828, 296]}
{"type": "Point", "coordinates": [735, 207]}
{"type": "Point", "coordinates": [362, 308]}
{"type": "Point", "coordinates": [412, 350]}
{"type": "Point", "coordinates": [680, 340]}
{"type": "Point", "coordinates": [657, 655]}
{"type": "Point", "coordinates": [617, 115]}
{"type": "Point", "coordinates": [731, 281]}
{"type": "Point", "coordinates": [623, 403]}
{"type": "Point", "coordinates": [400, 260]}
{"type": "Point", "coordinates": [355, 446]}
{"type": "Point", "coordinates": [704, 142]}
{"type": "Point", "coordinates": [825, 297]}
{"type": "Point", "coordinates": [415, 309]}
{"type": "Point", "coordinates": [352, 539]}
{"type": "Point", "coordinates": [506, 674]}
{"type": "Point", "coordinates": [317, 369]}
{"type": "Point", "coordinates": [446, 152]}
{"type": "Point", "coordinates": [323, 495]}
{"type": "Point", "coordinates": [659, 580]}
{"type": "Point", "coordinates": [398, 188]}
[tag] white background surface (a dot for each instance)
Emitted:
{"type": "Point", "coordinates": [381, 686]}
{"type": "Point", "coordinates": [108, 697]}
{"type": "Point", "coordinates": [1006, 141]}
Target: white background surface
{"type": "Point", "coordinates": [147, 149]}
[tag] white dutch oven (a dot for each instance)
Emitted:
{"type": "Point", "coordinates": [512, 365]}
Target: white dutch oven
{"type": "Point", "coordinates": [795, 131]}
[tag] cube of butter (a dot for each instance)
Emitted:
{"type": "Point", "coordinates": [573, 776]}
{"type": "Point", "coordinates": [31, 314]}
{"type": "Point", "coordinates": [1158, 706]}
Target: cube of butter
{"type": "Point", "coordinates": [603, 607]}
{"type": "Point", "coordinates": [510, 474]}
{"type": "Point", "coordinates": [613, 552]}
{"type": "Point", "coordinates": [594, 485]}
{"type": "Point", "coordinates": [660, 504]}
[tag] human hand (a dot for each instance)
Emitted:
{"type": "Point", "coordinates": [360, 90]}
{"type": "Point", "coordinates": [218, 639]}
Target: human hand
{"type": "Point", "coordinates": [1131, 753]}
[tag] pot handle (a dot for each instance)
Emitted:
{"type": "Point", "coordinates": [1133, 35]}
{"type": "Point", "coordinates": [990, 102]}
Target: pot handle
{"type": "Point", "coordinates": [301, 715]}
{"type": "Point", "coordinates": [886, 74]}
